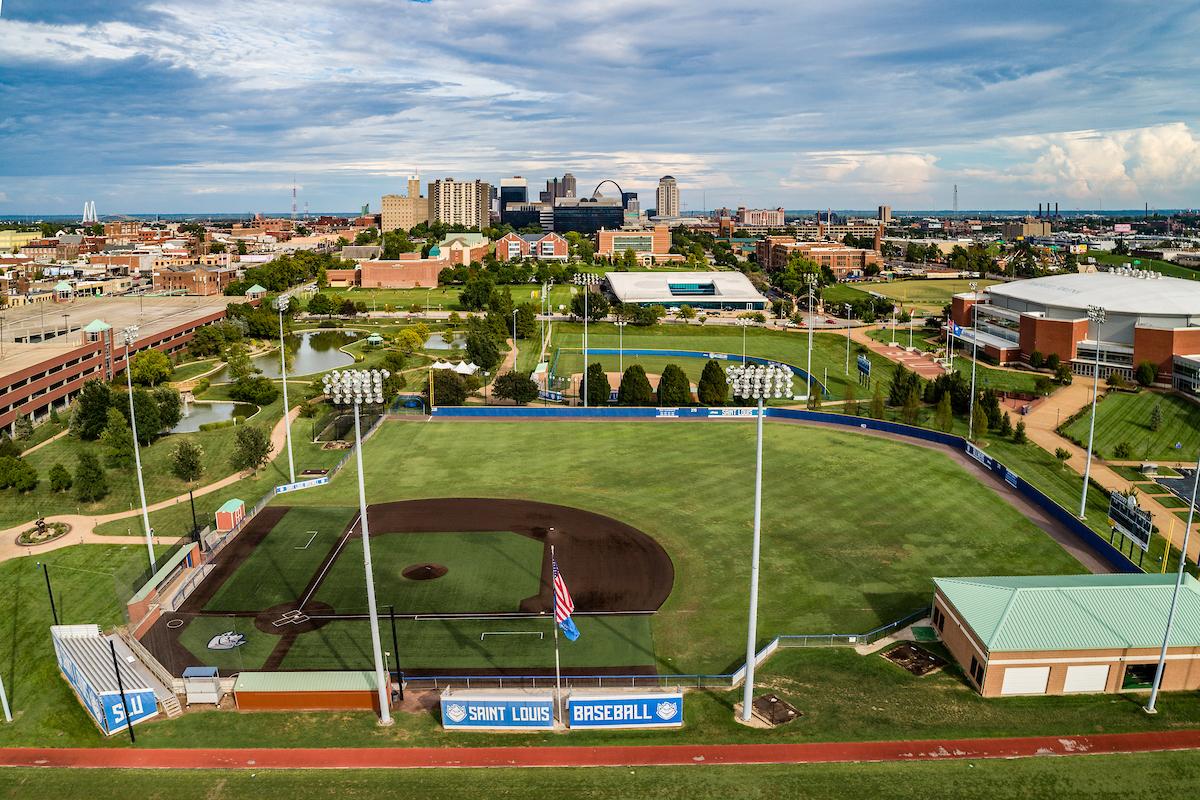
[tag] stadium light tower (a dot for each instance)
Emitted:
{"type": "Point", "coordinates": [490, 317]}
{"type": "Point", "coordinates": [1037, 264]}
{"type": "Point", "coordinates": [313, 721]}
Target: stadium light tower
{"type": "Point", "coordinates": [281, 305]}
{"type": "Point", "coordinates": [849, 312]}
{"type": "Point", "coordinates": [620, 323]}
{"type": "Point", "coordinates": [811, 280]}
{"type": "Point", "coordinates": [1187, 532]}
{"type": "Point", "coordinates": [743, 324]}
{"type": "Point", "coordinates": [1097, 315]}
{"type": "Point", "coordinates": [974, 355]}
{"type": "Point", "coordinates": [587, 280]}
{"type": "Point", "coordinates": [757, 382]}
{"type": "Point", "coordinates": [130, 335]}
{"type": "Point", "coordinates": [355, 387]}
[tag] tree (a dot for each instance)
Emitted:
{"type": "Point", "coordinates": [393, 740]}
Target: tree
{"type": "Point", "coordinates": [979, 421]}
{"type": "Point", "coordinates": [91, 410]}
{"type": "Point", "coordinates": [713, 389]}
{"type": "Point", "coordinates": [187, 464]}
{"type": "Point", "coordinates": [17, 474]}
{"type": "Point", "coordinates": [674, 389]}
{"type": "Point", "coordinates": [1006, 428]}
{"type": "Point", "coordinates": [1062, 454]}
{"type": "Point", "coordinates": [526, 321]}
{"type": "Point", "coordinates": [348, 308]}
{"type": "Point", "coordinates": [1146, 373]}
{"type": "Point", "coordinates": [91, 484]}
{"type": "Point", "coordinates": [257, 389]}
{"type": "Point", "coordinates": [513, 385]}
{"type": "Point", "coordinates": [1156, 417]}
{"type": "Point", "coordinates": [170, 406]}
{"type": "Point", "coordinates": [1117, 381]}
{"type": "Point", "coordinates": [1019, 436]}
{"type": "Point", "coordinates": [149, 424]}
{"type": "Point", "coordinates": [477, 292]}
{"type": "Point", "coordinates": [117, 440]}
{"type": "Point", "coordinates": [448, 389]}
{"type": "Point", "coordinates": [911, 409]}
{"type": "Point", "coordinates": [597, 305]}
{"type": "Point", "coordinates": [598, 387]}
{"type": "Point", "coordinates": [150, 368]}
{"type": "Point", "coordinates": [687, 312]}
{"type": "Point", "coordinates": [851, 398]}
{"type": "Point", "coordinates": [1122, 450]}
{"type": "Point", "coordinates": [482, 348]}
{"type": "Point", "coordinates": [635, 387]}
{"type": "Point", "coordinates": [206, 341]}
{"type": "Point", "coordinates": [629, 259]}
{"type": "Point", "coordinates": [1053, 361]}
{"type": "Point", "coordinates": [60, 478]}
{"type": "Point", "coordinates": [252, 448]}
{"type": "Point", "coordinates": [8, 447]}
{"type": "Point", "coordinates": [320, 304]}
{"type": "Point", "coordinates": [409, 340]}
{"type": "Point", "coordinates": [237, 360]}
{"type": "Point", "coordinates": [943, 416]}
{"type": "Point", "coordinates": [1063, 374]}
{"type": "Point", "coordinates": [877, 405]}
{"type": "Point", "coordinates": [1036, 359]}
{"type": "Point", "coordinates": [23, 427]}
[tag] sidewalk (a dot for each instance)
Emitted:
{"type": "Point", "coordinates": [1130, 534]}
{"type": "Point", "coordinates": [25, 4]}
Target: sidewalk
{"type": "Point", "coordinates": [1040, 425]}
{"type": "Point", "coordinates": [584, 756]}
{"type": "Point", "coordinates": [83, 526]}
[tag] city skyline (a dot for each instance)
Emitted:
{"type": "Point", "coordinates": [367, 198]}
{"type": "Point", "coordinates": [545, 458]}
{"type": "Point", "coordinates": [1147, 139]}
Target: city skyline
{"type": "Point", "coordinates": [856, 106]}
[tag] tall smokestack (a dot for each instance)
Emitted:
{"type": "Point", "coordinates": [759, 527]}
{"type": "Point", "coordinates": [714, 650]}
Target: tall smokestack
{"type": "Point", "coordinates": [1056, 210]}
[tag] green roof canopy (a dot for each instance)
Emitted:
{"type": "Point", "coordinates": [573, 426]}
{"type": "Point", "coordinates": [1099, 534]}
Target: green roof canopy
{"type": "Point", "coordinates": [315, 681]}
{"type": "Point", "coordinates": [62, 286]}
{"type": "Point", "coordinates": [256, 289]}
{"type": "Point", "coordinates": [1075, 612]}
{"type": "Point", "coordinates": [97, 326]}
{"type": "Point", "coordinates": [230, 505]}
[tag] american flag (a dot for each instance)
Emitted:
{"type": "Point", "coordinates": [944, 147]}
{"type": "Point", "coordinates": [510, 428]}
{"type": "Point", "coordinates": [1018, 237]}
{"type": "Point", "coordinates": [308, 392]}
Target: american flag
{"type": "Point", "coordinates": [563, 604]}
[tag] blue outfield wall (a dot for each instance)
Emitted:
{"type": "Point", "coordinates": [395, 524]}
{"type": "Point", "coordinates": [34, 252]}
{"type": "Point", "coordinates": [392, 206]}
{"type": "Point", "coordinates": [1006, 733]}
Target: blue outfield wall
{"type": "Point", "coordinates": [733, 357]}
{"type": "Point", "coordinates": [1089, 538]}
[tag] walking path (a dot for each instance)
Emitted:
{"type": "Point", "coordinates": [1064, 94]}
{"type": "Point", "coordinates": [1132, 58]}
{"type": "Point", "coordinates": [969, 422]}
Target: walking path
{"type": "Point", "coordinates": [1040, 425]}
{"type": "Point", "coordinates": [40, 445]}
{"type": "Point", "coordinates": [919, 363]}
{"type": "Point", "coordinates": [83, 526]}
{"type": "Point", "coordinates": [575, 756]}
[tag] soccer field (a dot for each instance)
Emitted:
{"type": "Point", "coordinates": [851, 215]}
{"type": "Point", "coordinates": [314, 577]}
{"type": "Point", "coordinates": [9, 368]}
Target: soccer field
{"type": "Point", "coordinates": [854, 526]}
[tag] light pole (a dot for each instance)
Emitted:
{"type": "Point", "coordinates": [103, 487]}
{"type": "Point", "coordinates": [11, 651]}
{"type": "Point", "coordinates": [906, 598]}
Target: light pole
{"type": "Point", "coordinates": [354, 387]}
{"type": "Point", "coordinates": [620, 323]}
{"type": "Point", "coordinates": [743, 324]}
{"type": "Point", "coordinates": [849, 311]}
{"type": "Point", "coordinates": [1187, 531]}
{"type": "Point", "coordinates": [281, 305]}
{"type": "Point", "coordinates": [974, 356]}
{"type": "Point", "coordinates": [1097, 315]}
{"type": "Point", "coordinates": [811, 280]}
{"type": "Point", "coordinates": [758, 382]}
{"type": "Point", "coordinates": [586, 280]}
{"type": "Point", "coordinates": [486, 375]}
{"type": "Point", "coordinates": [130, 335]}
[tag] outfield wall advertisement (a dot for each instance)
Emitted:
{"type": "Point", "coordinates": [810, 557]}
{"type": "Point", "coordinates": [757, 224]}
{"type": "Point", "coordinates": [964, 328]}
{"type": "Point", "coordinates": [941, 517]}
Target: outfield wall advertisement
{"type": "Point", "coordinates": [469, 711]}
{"type": "Point", "coordinates": [656, 710]}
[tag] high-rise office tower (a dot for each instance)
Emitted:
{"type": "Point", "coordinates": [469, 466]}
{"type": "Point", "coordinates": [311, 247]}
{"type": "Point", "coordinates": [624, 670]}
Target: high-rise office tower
{"type": "Point", "coordinates": [885, 214]}
{"type": "Point", "coordinates": [668, 197]}
{"type": "Point", "coordinates": [512, 190]}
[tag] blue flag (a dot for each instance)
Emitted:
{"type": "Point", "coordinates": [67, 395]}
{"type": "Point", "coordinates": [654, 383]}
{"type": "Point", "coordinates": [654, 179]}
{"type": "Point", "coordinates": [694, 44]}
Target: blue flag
{"type": "Point", "coordinates": [569, 630]}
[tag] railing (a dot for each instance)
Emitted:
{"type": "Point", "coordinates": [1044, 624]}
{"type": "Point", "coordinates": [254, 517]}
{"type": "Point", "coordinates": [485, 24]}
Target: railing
{"type": "Point", "coordinates": [853, 639]}
{"type": "Point", "coordinates": [151, 663]}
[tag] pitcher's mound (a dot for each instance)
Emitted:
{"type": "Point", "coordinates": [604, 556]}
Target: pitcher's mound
{"type": "Point", "coordinates": [424, 572]}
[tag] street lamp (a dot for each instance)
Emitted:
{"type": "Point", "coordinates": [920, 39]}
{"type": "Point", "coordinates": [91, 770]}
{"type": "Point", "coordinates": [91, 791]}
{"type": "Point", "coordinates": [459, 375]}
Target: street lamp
{"type": "Point", "coordinates": [1187, 532]}
{"type": "Point", "coordinates": [1097, 315]}
{"type": "Point", "coordinates": [743, 324]}
{"type": "Point", "coordinates": [849, 311]}
{"type": "Point", "coordinates": [281, 304]}
{"type": "Point", "coordinates": [757, 382]}
{"type": "Point", "coordinates": [974, 356]}
{"type": "Point", "coordinates": [130, 335]}
{"type": "Point", "coordinates": [621, 345]}
{"type": "Point", "coordinates": [586, 280]}
{"type": "Point", "coordinates": [354, 387]}
{"type": "Point", "coordinates": [811, 280]}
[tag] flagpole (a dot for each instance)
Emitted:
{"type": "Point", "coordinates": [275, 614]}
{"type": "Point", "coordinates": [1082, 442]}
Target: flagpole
{"type": "Point", "coordinates": [950, 339]}
{"type": "Point", "coordinates": [554, 624]}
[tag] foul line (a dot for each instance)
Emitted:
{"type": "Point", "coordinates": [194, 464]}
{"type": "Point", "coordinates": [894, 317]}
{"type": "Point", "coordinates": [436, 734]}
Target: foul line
{"type": "Point", "coordinates": [577, 756]}
{"type": "Point", "coordinates": [337, 550]}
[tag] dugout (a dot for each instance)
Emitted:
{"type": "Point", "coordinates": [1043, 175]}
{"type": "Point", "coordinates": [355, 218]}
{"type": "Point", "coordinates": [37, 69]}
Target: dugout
{"type": "Point", "coordinates": [306, 691]}
{"type": "Point", "coordinates": [1069, 634]}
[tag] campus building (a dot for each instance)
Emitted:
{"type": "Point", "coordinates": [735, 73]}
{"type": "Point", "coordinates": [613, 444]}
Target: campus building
{"type": "Point", "coordinates": [1068, 634]}
{"type": "Point", "coordinates": [542, 246]}
{"type": "Point", "coordinates": [773, 252]}
{"type": "Point", "coordinates": [584, 214]}
{"type": "Point", "coordinates": [466, 203]}
{"type": "Point", "coordinates": [409, 271]}
{"type": "Point", "coordinates": [1148, 318]}
{"type": "Point", "coordinates": [724, 291]}
{"type": "Point", "coordinates": [48, 354]}
{"type": "Point", "coordinates": [650, 245]}
{"type": "Point", "coordinates": [193, 279]}
{"type": "Point", "coordinates": [405, 213]}
{"type": "Point", "coordinates": [462, 248]}
{"type": "Point", "coordinates": [1025, 229]}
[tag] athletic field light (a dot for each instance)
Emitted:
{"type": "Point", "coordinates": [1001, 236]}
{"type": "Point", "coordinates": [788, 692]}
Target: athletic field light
{"type": "Point", "coordinates": [1097, 315]}
{"type": "Point", "coordinates": [587, 280]}
{"type": "Point", "coordinates": [281, 305]}
{"type": "Point", "coordinates": [974, 355]}
{"type": "Point", "coordinates": [759, 382]}
{"type": "Point", "coordinates": [130, 336]}
{"type": "Point", "coordinates": [354, 387]}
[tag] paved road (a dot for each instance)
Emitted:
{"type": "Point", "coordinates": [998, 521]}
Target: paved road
{"type": "Point", "coordinates": [575, 756]}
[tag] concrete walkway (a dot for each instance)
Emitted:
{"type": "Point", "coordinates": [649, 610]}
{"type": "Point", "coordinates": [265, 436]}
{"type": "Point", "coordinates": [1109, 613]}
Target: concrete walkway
{"type": "Point", "coordinates": [83, 526]}
{"type": "Point", "coordinates": [1040, 425]}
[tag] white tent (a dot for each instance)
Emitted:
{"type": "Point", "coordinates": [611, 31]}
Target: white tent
{"type": "Point", "coordinates": [443, 365]}
{"type": "Point", "coordinates": [465, 368]}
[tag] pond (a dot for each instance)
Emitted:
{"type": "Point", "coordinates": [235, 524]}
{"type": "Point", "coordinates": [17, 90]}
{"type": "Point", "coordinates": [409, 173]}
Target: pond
{"type": "Point", "coordinates": [311, 352]}
{"type": "Point", "coordinates": [437, 341]}
{"type": "Point", "coordinates": [202, 413]}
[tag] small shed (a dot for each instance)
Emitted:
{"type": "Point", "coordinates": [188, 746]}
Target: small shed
{"type": "Point", "coordinates": [230, 514]}
{"type": "Point", "coordinates": [202, 684]}
{"type": "Point", "coordinates": [256, 292]}
{"type": "Point", "coordinates": [306, 691]}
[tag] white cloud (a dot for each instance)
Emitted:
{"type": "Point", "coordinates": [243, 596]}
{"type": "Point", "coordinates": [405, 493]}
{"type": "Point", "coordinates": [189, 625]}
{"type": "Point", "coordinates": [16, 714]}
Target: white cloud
{"type": "Point", "coordinates": [895, 173]}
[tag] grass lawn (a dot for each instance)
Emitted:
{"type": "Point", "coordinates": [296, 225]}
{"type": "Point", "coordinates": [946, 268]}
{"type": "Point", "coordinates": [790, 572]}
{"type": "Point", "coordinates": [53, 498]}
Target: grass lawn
{"type": "Point", "coordinates": [924, 293]}
{"type": "Point", "coordinates": [445, 298]}
{"type": "Point", "coordinates": [831, 503]}
{"type": "Point", "coordinates": [1165, 267]}
{"type": "Point", "coordinates": [922, 337]}
{"type": "Point", "coordinates": [193, 369]}
{"type": "Point", "coordinates": [1125, 417]}
{"type": "Point", "coordinates": [1148, 775]}
{"type": "Point", "coordinates": [838, 293]}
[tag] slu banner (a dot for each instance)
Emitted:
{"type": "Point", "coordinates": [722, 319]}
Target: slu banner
{"type": "Point", "coordinates": [654, 710]}
{"type": "Point", "coordinates": [466, 710]}
{"type": "Point", "coordinates": [298, 485]}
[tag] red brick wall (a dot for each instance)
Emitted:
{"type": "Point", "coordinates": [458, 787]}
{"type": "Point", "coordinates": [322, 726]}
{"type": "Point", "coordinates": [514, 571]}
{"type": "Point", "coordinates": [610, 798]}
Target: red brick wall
{"type": "Point", "coordinates": [960, 310]}
{"type": "Point", "coordinates": [1158, 345]}
{"type": "Point", "coordinates": [306, 701]}
{"type": "Point", "coordinates": [1047, 336]}
{"type": "Point", "coordinates": [406, 274]}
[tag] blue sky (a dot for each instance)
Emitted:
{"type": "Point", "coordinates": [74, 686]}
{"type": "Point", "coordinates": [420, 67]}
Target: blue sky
{"type": "Point", "coordinates": [187, 106]}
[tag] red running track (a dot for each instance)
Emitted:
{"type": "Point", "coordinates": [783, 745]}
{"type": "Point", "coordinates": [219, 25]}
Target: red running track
{"type": "Point", "coordinates": [574, 756]}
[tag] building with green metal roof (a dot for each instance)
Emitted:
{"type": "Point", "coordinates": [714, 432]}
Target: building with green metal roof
{"type": "Point", "coordinates": [1064, 634]}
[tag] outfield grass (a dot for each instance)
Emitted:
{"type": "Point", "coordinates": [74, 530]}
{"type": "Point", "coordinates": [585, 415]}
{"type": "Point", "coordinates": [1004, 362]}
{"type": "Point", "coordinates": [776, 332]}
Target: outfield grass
{"type": "Point", "coordinates": [1125, 417]}
{"type": "Point", "coordinates": [932, 294]}
{"type": "Point", "coordinates": [445, 298]}
{"type": "Point", "coordinates": [1130, 777]}
{"type": "Point", "coordinates": [836, 557]}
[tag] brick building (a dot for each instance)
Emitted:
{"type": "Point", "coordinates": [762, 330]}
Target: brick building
{"type": "Point", "coordinates": [773, 253]}
{"type": "Point", "coordinates": [543, 246]}
{"type": "Point", "coordinates": [194, 279]}
{"type": "Point", "coordinates": [650, 245]}
{"type": "Point", "coordinates": [462, 248]}
{"type": "Point", "coordinates": [410, 271]}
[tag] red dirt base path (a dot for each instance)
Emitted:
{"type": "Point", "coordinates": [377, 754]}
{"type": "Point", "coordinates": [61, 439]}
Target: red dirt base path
{"type": "Point", "coordinates": [655, 755]}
